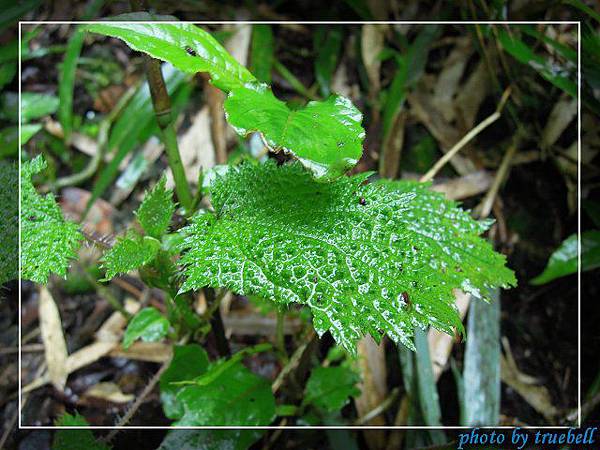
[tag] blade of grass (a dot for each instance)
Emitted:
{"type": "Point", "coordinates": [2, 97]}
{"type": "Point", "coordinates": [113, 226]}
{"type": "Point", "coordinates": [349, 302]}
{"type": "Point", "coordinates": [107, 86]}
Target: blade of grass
{"type": "Point", "coordinates": [482, 364]}
{"type": "Point", "coordinates": [294, 82]}
{"type": "Point", "coordinates": [262, 52]}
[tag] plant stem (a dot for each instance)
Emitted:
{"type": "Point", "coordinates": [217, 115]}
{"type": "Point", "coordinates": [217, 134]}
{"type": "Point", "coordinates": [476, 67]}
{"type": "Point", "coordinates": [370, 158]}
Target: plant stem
{"type": "Point", "coordinates": [162, 110]}
{"type": "Point", "coordinates": [280, 336]}
{"type": "Point", "coordinates": [216, 323]}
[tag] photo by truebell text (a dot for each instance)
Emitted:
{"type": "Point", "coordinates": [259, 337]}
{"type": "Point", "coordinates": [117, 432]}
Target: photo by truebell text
{"type": "Point", "coordinates": [520, 438]}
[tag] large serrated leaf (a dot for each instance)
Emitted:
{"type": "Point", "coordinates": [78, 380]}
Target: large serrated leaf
{"type": "Point", "coordinates": [186, 46]}
{"type": "Point", "coordinates": [325, 137]}
{"type": "Point", "coordinates": [48, 241]}
{"type": "Point", "coordinates": [367, 258]}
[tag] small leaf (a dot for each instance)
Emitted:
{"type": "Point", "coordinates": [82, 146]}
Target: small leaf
{"type": "Point", "coordinates": [184, 45]}
{"type": "Point", "coordinates": [236, 397]}
{"type": "Point", "coordinates": [230, 439]}
{"type": "Point", "coordinates": [148, 324]}
{"type": "Point", "coordinates": [48, 242]}
{"type": "Point", "coordinates": [129, 253]}
{"type": "Point", "coordinates": [326, 137]}
{"type": "Point", "coordinates": [36, 106]}
{"type": "Point", "coordinates": [564, 259]}
{"type": "Point", "coordinates": [370, 258]}
{"type": "Point", "coordinates": [189, 361]}
{"type": "Point", "coordinates": [330, 388]}
{"type": "Point", "coordinates": [75, 439]}
{"type": "Point", "coordinates": [156, 210]}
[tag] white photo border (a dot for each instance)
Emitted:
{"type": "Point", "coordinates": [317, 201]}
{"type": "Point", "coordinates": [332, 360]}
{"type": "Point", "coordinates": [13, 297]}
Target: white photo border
{"type": "Point", "coordinates": [325, 427]}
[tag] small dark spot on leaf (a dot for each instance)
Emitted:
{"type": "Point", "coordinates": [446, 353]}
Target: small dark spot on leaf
{"type": "Point", "coordinates": [406, 299]}
{"type": "Point", "coordinates": [362, 201]}
{"type": "Point", "coordinates": [190, 51]}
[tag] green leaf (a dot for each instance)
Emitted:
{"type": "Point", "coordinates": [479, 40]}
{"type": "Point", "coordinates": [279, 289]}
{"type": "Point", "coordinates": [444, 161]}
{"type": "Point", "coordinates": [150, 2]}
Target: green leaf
{"type": "Point", "coordinates": [564, 259]}
{"type": "Point", "coordinates": [186, 46]}
{"type": "Point", "coordinates": [327, 45]}
{"type": "Point", "coordinates": [7, 73]}
{"type": "Point", "coordinates": [35, 106]}
{"type": "Point", "coordinates": [230, 439]}
{"type": "Point", "coordinates": [330, 388]}
{"type": "Point", "coordinates": [482, 365]}
{"type": "Point", "coordinates": [9, 216]}
{"type": "Point", "coordinates": [548, 69]}
{"type": "Point", "coordinates": [11, 11]}
{"type": "Point", "coordinates": [155, 212]}
{"type": "Point", "coordinates": [75, 439]}
{"type": "Point", "coordinates": [235, 397]}
{"type": "Point", "coordinates": [48, 242]}
{"type": "Point", "coordinates": [189, 361]}
{"type": "Point", "coordinates": [325, 137]}
{"type": "Point", "coordinates": [370, 258]}
{"type": "Point", "coordinates": [262, 52]}
{"type": "Point", "coordinates": [149, 325]}
{"type": "Point", "coordinates": [129, 253]}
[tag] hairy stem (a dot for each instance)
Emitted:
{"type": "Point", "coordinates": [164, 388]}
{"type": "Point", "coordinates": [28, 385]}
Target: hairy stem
{"type": "Point", "coordinates": [162, 110]}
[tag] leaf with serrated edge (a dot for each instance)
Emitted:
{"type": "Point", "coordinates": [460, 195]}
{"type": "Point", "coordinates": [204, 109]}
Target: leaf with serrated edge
{"type": "Point", "coordinates": [148, 324]}
{"type": "Point", "coordinates": [154, 214]}
{"type": "Point", "coordinates": [129, 253]}
{"type": "Point", "coordinates": [48, 241]}
{"type": "Point", "coordinates": [378, 258]}
{"type": "Point", "coordinates": [326, 137]}
{"type": "Point", "coordinates": [186, 46]}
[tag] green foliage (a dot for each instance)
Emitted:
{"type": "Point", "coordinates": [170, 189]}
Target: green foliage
{"type": "Point", "coordinates": [10, 222]}
{"type": "Point", "coordinates": [563, 261]}
{"type": "Point", "coordinates": [186, 46]}
{"type": "Point", "coordinates": [154, 214]}
{"type": "Point", "coordinates": [35, 106]}
{"type": "Point", "coordinates": [367, 258]}
{"type": "Point", "coordinates": [558, 75]}
{"type": "Point", "coordinates": [129, 253]}
{"type": "Point", "coordinates": [227, 394]}
{"type": "Point", "coordinates": [149, 325]}
{"type": "Point", "coordinates": [327, 45]}
{"type": "Point", "coordinates": [250, 105]}
{"type": "Point", "coordinates": [262, 52]}
{"type": "Point", "coordinates": [75, 439]}
{"type": "Point", "coordinates": [189, 361]}
{"type": "Point", "coordinates": [325, 137]}
{"type": "Point", "coordinates": [48, 241]}
{"type": "Point", "coordinates": [330, 388]}
{"type": "Point", "coordinates": [230, 439]}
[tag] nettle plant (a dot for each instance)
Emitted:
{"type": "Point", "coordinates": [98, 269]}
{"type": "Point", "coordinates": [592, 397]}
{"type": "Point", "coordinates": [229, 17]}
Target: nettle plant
{"type": "Point", "coordinates": [365, 257]}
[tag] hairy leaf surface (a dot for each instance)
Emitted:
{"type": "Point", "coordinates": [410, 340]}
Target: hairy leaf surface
{"type": "Point", "coordinates": [154, 214]}
{"type": "Point", "coordinates": [129, 253]}
{"type": "Point", "coordinates": [367, 258]}
{"type": "Point", "coordinates": [188, 47]}
{"type": "Point", "coordinates": [9, 237]}
{"type": "Point", "coordinates": [48, 241]}
{"type": "Point", "coordinates": [326, 137]}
